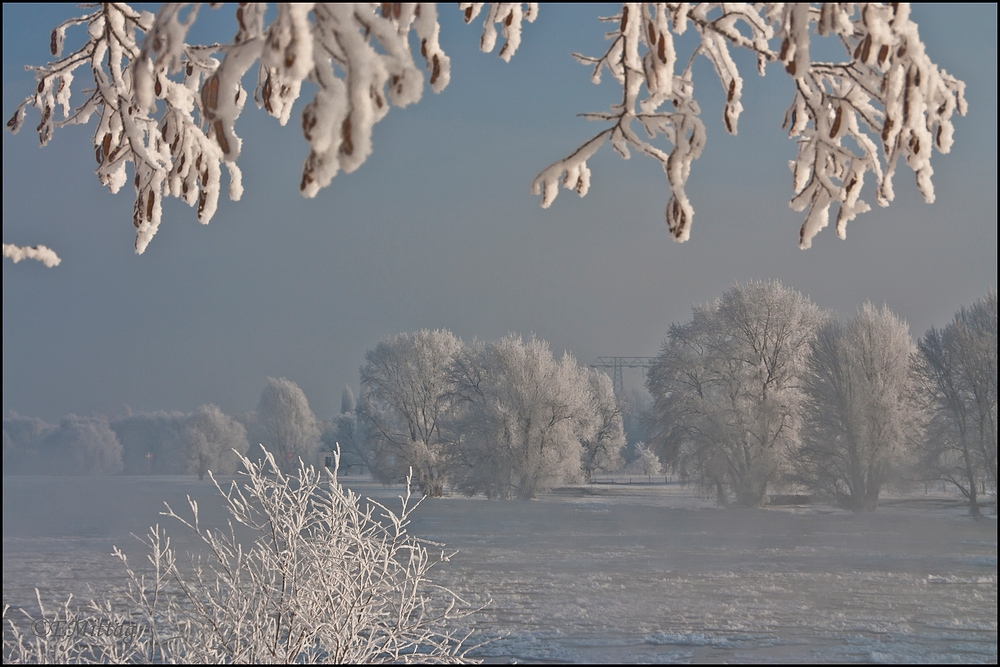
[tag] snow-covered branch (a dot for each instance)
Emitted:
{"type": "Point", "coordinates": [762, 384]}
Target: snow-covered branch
{"type": "Point", "coordinates": [886, 96]}
{"type": "Point", "coordinates": [38, 252]}
{"type": "Point", "coordinates": [169, 108]}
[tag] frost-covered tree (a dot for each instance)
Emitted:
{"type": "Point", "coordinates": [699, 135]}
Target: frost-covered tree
{"type": "Point", "coordinates": [332, 434]}
{"type": "Point", "coordinates": [406, 394]}
{"type": "Point", "coordinates": [138, 444]}
{"type": "Point", "coordinates": [22, 436]}
{"type": "Point", "coordinates": [347, 402]}
{"type": "Point", "coordinates": [726, 387]}
{"type": "Point", "coordinates": [639, 426]}
{"type": "Point", "coordinates": [169, 107]}
{"type": "Point", "coordinates": [646, 461]}
{"type": "Point", "coordinates": [347, 434]}
{"type": "Point", "coordinates": [78, 446]}
{"type": "Point", "coordinates": [521, 417]}
{"type": "Point", "coordinates": [152, 442]}
{"type": "Point", "coordinates": [286, 425]}
{"type": "Point", "coordinates": [213, 441]}
{"type": "Point", "coordinates": [959, 370]}
{"type": "Point", "coordinates": [861, 416]}
{"type": "Point", "coordinates": [603, 450]}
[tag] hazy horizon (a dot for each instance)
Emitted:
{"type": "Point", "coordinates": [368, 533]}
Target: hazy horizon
{"type": "Point", "coordinates": [438, 230]}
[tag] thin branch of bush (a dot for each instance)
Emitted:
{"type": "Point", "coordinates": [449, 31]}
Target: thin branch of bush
{"type": "Point", "coordinates": [325, 580]}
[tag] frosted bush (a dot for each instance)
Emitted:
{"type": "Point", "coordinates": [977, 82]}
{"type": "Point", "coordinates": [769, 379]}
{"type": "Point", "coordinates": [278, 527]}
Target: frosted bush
{"type": "Point", "coordinates": [324, 580]}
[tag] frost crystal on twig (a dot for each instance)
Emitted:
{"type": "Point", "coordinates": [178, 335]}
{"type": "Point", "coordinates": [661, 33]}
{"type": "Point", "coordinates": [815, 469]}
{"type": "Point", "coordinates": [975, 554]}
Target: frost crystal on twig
{"type": "Point", "coordinates": [886, 96]}
{"type": "Point", "coordinates": [150, 82]}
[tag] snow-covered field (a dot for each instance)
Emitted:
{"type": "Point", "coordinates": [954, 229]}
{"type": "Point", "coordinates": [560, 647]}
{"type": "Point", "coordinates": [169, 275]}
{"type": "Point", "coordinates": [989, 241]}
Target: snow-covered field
{"type": "Point", "coordinates": [618, 573]}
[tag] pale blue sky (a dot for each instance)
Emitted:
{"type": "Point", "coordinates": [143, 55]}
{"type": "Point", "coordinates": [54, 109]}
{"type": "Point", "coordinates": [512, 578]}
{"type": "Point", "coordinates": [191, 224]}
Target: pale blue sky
{"type": "Point", "coordinates": [438, 229]}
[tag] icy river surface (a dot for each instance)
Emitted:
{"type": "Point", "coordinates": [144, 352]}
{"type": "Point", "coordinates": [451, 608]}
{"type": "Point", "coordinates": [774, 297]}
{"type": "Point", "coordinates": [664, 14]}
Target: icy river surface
{"type": "Point", "coordinates": [608, 573]}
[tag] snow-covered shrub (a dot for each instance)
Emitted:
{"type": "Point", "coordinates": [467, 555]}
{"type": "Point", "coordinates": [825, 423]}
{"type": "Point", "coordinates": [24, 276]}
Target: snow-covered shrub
{"type": "Point", "coordinates": [324, 580]}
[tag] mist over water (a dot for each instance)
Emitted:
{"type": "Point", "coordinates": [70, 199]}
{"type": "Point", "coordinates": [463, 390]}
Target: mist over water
{"type": "Point", "coordinates": [619, 573]}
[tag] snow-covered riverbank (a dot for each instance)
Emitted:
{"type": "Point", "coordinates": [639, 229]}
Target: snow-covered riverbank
{"type": "Point", "coordinates": [609, 573]}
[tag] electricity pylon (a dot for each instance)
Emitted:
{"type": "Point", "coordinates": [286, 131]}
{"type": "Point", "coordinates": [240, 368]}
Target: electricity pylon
{"type": "Point", "coordinates": [616, 364]}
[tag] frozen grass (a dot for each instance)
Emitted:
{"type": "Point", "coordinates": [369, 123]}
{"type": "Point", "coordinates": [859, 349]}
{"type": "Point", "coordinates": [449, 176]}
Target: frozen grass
{"type": "Point", "coordinates": [611, 573]}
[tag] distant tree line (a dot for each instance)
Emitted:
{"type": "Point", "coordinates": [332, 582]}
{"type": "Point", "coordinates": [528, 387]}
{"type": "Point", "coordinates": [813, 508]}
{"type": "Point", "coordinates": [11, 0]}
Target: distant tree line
{"type": "Point", "coordinates": [761, 389]}
{"type": "Point", "coordinates": [165, 443]}
{"type": "Point", "coordinates": [505, 419]}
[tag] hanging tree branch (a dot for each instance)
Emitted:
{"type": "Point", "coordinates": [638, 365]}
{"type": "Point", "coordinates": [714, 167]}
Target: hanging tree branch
{"type": "Point", "coordinates": [169, 108]}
